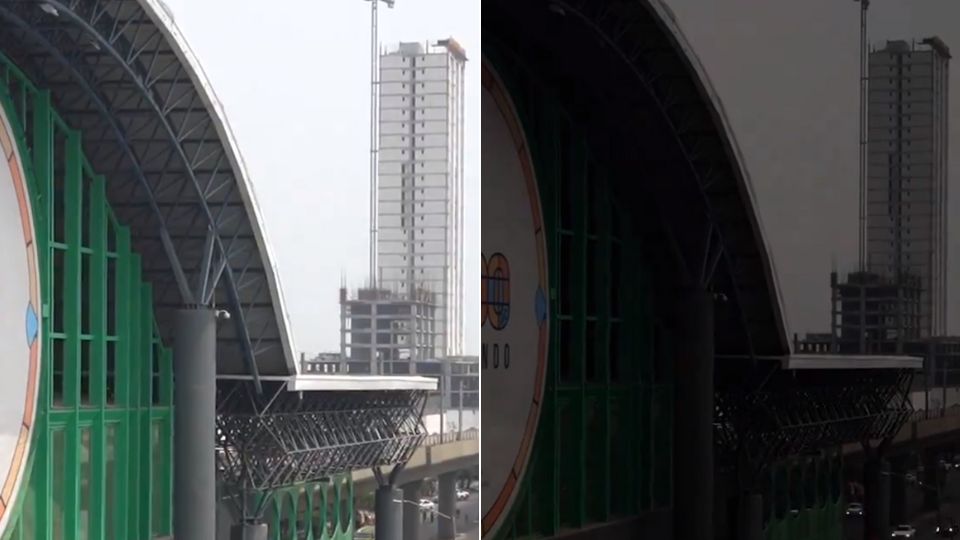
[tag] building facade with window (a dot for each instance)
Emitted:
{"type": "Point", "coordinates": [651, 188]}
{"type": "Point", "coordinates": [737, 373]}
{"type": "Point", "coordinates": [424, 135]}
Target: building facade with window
{"type": "Point", "coordinates": [420, 192]}
{"type": "Point", "coordinates": [907, 170]}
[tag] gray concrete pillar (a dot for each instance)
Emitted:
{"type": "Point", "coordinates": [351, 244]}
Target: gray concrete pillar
{"type": "Point", "coordinates": [249, 531]}
{"type": "Point", "coordinates": [750, 517]}
{"type": "Point", "coordinates": [930, 479]}
{"type": "Point", "coordinates": [898, 489]}
{"type": "Point", "coordinates": [411, 511]}
{"type": "Point", "coordinates": [194, 423]}
{"type": "Point", "coordinates": [387, 507]}
{"type": "Point", "coordinates": [876, 498]}
{"type": "Point", "coordinates": [693, 415]}
{"type": "Point", "coordinates": [447, 506]}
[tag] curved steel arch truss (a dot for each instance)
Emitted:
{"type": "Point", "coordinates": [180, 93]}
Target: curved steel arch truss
{"type": "Point", "coordinates": [645, 102]}
{"type": "Point", "coordinates": [117, 72]}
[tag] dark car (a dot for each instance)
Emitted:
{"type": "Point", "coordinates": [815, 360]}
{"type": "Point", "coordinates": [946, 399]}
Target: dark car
{"type": "Point", "coordinates": [947, 530]}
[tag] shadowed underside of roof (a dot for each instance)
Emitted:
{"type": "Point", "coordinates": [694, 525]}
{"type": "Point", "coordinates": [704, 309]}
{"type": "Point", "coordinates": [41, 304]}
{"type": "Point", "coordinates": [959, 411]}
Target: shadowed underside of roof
{"type": "Point", "coordinates": [632, 85]}
{"type": "Point", "coordinates": [120, 72]}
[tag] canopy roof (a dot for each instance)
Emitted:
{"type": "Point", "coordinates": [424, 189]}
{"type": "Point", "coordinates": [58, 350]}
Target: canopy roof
{"type": "Point", "coordinates": [121, 73]}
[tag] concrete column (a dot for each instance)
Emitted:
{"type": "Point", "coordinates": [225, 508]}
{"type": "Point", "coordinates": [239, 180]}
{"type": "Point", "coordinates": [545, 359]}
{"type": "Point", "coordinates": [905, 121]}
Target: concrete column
{"type": "Point", "coordinates": [194, 424]}
{"type": "Point", "coordinates": [750, 517]}
{"type": "Point", "coordinates": [447, 506]}
{"type": "Point", "coordinates": [693, 416]}
{"type": "Point", "coordinates": [931, 466]}
{"type": "Point", "coordinates": [876, 503]}
{"type": "Point", "coordinates": [249, 531]}
{"type": "Point", "coordinates": [898, 489]}
{"type": "Point", "coordinates": [387, 507]}
{"type": "Point", "coordinates": [411, 512]}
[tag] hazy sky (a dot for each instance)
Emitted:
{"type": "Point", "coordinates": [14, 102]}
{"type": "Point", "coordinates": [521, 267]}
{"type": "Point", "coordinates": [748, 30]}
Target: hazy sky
{"type": "Point", "coordinates": [787, 72]}
{"type": "Point", "coordinates": [293, 77]}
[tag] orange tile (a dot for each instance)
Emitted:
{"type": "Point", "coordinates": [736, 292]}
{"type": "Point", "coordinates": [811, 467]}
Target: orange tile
{"type": "Point", "coordinates": [20, 188]}
{"type": "Point", "coordinates": [29, 404]}
{"type": "Point", "coordinates": [5, 142]}
{"type": "Point", "coordinates": [15, 465]}
{"type": "Point", "coordinates": [499, 505]}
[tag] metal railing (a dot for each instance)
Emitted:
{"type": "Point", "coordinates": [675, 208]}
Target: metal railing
{"type": "Point", "coordinates": [443, 438]}
{"type": "Point", "coordinates": [935, 413]}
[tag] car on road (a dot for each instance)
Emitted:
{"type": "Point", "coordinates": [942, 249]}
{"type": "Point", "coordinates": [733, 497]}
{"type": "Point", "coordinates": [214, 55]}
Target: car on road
{"type": "Point", "coordinates": [947, 530]}
{"type": "Point", "coordinates": [462, 494]}
{"type": "Point", "coordinates": [904, 531]}
{"type": "Point", "coordinates": [854, 509]}
{"type": "Point", "coordinates": [427, 504]}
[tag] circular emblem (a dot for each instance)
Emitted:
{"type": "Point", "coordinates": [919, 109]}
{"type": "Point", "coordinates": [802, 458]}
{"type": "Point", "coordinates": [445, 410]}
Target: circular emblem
{"type": "Point", "coordinates": [514, 305]}
{"type": "Point", "coordinates": [19, 319]}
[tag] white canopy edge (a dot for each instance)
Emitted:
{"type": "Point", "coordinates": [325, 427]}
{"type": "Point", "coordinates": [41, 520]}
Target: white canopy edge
{"type": "Point", "coordinates": [850, 361]}
{"type": "Point", "coordinates": [342, 383]}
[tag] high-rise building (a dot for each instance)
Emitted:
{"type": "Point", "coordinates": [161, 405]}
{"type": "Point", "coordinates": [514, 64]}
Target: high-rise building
{"type": "Point", "coordinates": [420, 181]}
{"type": "Point", "coordinates": [907, 171]}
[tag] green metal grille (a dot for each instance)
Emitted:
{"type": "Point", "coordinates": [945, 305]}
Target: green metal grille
{"type": "Point", "coordinates": [811, 486]}
{"type": "Point", "coordinates": [100, 466]}
{"type": "Point", "coordinates": [602, 450]}
{"type": "Point", "coordinates": [314, 511]}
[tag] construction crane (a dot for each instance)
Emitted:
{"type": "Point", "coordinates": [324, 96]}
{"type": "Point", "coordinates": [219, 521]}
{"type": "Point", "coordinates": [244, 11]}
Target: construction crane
{"type": "Point", "coordinates": [374, 135]}
{"type": "Point", "coordinates": [862, 164]}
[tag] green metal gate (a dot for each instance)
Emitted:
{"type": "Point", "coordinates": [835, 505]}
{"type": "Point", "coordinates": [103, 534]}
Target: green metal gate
{"type": "Point", "coordinates": [101, 463]}
{"type": "Point", "coordinates": [603, 447]}
{"type": "Point", "coordinates": [100, 466]}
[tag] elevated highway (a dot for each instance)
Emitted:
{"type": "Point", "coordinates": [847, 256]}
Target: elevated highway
{"type": "Point", "coordinates": [924, 429]}
{"type": "Point", "coordinates": [438, 455]}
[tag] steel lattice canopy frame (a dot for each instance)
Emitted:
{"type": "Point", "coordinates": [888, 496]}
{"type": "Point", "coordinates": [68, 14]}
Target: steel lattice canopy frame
{"type": "Point", "coordinates": [807, 404]}
{"type": "Point", "coordinates": [295, 432]}
{"type": "Point", "coordinates": [121, 72]}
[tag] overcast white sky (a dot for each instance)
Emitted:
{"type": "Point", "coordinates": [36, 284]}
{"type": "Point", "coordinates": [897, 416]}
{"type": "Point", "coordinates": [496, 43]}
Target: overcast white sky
{"type": "Point", "coordinates": [293, 77]}
{"type": "Point", "coordinates": [787, 72]}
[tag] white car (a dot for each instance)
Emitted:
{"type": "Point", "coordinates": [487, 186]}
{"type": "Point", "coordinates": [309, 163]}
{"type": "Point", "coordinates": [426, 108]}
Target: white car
{"type": "Point", "coordinates": [462, 494]}
{"type": "Point", "coordinates": [903, 531]}
{"type": "Point", "coordinates": [427, 504]}
{"type": "Point", "coordinates": [854, 509]}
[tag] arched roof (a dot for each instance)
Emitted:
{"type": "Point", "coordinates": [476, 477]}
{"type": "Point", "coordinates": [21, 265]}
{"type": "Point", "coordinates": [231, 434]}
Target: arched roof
{"type": "Point", "coordinates": [121, 73]}
{"type": "Point", "coordinates": [631, 81]}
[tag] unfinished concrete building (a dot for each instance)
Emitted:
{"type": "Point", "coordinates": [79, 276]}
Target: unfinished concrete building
{"type": "Point", "coordinates": [874, 314]}
{"type": "Point", "coordinates": [383, 332]}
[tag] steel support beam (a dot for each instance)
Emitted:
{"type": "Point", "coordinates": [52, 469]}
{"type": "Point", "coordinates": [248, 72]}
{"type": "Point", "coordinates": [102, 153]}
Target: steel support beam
{"type": "Point", "coordinates": [693, 415]}
{"type": "Point", "coordinates": [195, 372]}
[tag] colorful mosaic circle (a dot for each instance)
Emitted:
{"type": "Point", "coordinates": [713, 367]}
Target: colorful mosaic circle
{"type": "Point", "coordinates": [515, 326]}
{"type": "Point", "coordinates": [20, 318]}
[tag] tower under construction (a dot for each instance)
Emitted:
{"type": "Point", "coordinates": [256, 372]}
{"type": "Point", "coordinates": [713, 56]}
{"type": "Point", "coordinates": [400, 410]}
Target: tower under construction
{"type": "Point", "coordinates": [898, 293]}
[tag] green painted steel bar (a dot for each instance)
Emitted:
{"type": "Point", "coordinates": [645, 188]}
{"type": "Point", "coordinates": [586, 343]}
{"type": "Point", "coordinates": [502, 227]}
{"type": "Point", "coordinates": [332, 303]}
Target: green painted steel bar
{"type": "Point", "coordinates": [73, 287]}
{"type": "Point", "coordinates": [98, 352]}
